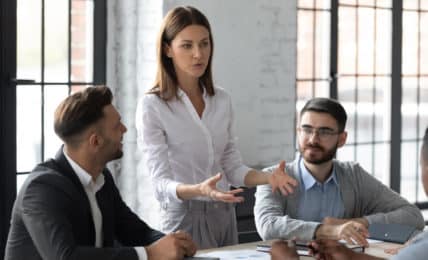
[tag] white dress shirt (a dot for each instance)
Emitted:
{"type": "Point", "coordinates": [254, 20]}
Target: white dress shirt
{"type": "Point", "coordinates": [181, 147]}
{"type": "Point", "coordinates": [91, 188]}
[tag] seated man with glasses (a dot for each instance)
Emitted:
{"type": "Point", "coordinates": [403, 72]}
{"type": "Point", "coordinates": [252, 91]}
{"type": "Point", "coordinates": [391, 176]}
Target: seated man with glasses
{"type": "Point", "coordinates": [334, 199]}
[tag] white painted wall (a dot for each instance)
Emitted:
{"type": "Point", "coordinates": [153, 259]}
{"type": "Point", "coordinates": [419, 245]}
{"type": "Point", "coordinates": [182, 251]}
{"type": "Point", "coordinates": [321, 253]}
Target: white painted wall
{"type": "Point", "coordinates": [255, 61]}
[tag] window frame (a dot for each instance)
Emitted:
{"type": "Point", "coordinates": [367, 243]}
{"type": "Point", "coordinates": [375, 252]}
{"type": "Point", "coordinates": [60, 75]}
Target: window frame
{"type": "Point", "coordinates": [8, 95]}
{"type": "Point", "coordinates": [396, 139]}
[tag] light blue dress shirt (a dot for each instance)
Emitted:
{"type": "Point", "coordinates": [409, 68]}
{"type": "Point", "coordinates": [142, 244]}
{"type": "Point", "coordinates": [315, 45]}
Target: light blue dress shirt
{"type": "Point", "coordinates": [416, 250]}
{"type": "Point", "coordinates": [319, 200]}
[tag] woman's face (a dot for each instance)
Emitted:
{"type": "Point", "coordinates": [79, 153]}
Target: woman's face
{"type": "Point", "coordinates": [190, 51]}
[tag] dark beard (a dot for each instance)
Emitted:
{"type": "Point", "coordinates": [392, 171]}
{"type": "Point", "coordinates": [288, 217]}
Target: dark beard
{"type": "Point", "coordinates": [118, 155]}
{"type": "Point", "coordinates": [327, 155]}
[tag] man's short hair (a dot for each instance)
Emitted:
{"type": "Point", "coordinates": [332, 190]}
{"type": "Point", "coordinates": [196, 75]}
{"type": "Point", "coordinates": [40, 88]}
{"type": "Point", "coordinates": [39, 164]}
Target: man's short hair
{"type": "Point", "coordinates": [329, 106]}
{"type": "Point", "coordinates": [79, 111]}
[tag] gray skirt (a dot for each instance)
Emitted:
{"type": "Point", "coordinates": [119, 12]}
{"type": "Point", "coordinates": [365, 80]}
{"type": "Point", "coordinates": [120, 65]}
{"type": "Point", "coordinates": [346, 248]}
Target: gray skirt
{"type": "Point", "coordinates": [211, 224]}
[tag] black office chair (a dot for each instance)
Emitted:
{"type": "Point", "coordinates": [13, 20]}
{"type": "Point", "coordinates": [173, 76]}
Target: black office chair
{"type": "Point", "coordinates": [244, 214]}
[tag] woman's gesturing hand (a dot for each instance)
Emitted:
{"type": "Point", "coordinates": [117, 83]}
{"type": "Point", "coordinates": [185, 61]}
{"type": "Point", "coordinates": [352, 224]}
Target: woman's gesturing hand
{"type": "Point", "coordinates": [209, 189]}
{"type": "Point", "coordinates": [280, 180]}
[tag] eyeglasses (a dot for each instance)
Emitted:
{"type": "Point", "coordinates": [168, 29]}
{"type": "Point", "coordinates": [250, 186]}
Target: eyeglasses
{"type": "Point", "coordinates": [322, 133]}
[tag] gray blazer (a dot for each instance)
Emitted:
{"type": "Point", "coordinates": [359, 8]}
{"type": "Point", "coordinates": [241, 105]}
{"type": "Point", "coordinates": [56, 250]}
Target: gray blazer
{"type": "Point", "coordinates": [362, 195]}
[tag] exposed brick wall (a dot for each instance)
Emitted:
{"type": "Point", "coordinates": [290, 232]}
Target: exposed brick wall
{"type": "Point", "coordinates": [81, 41]}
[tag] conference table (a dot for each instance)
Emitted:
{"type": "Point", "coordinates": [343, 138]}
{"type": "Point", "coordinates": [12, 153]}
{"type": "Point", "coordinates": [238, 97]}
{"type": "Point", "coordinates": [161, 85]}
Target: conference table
{"type": "Point", "coordinates": [248, 251]}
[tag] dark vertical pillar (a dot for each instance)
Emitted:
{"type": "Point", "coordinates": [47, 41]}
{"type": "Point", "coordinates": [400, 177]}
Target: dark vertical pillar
{"type": "Point", "coordinates": [396, 96]}
{"type": "Point", "coordinates": [7, 116]}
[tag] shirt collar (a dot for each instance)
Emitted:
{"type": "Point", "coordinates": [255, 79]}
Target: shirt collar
{"type": "Point", "coordinates": [180, 92]}
{"type": "Point", "coordinates": [84, 177]}
{"type": "Point", "coordinates": [309, 181]}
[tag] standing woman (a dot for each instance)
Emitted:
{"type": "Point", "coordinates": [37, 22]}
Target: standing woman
{"type": "Point", "coordinates": [185, 128]}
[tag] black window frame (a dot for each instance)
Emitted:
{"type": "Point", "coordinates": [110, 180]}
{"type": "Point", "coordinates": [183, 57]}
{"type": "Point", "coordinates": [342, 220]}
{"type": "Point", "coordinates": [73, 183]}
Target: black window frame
{"type": "Point", "coordinates": [9, 83]}
{"type": "Point", "coordinates": [396, 77]}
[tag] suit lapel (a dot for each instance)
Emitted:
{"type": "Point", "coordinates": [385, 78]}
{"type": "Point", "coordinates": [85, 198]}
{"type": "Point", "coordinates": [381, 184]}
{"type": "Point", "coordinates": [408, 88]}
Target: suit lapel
{"type": "Point", "coordinates": [64, 168]}
{"type": "Point", "coordinates": [106, 205]}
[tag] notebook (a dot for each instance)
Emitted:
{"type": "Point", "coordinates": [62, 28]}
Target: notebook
{"type": "Point", "coordinates": [395, 233]}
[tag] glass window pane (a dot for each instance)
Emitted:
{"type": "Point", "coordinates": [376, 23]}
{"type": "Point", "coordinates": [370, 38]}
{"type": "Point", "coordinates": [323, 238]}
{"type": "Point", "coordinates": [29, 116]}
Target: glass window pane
{"type": "Point", "coordinates": [352, 2]}
{"type": "Point", "coordinates": [384, 3]}
{"type": "Point", "coordinates": [347, 38]}
{"type": "Point", "coordinates": [424, 44]}
{"type": "Point", "coordinates": [346, 96]}
{"type": "Point", "coordinates": [365, 89]}
{"type": "Point", "coordinates": [409, 108]}
{"type": "Point", "coordinates": [346, 89]}
{"type": "Point", "coordinates": [28, 134]}
{"type": "Point", "coordinates": [381, 164]}
{"type": "Point", "coordinates": [365, 40]}
{"type": "Point", "coordinates": [323, 4]}
{"type": "Point", "coordinates": [365, 109]}
{"type": "Point", "coordinates": [382, 109]}
{"type": "Point", "coordinates": [423, 106]}
{"type": "Point", "coordinates": [305, 90]}
{"type": "Point", "coordinates": [28, 30]}
{"type": "Point", "coordinates": [305, 3]}
{"type": "Point", "coordinates": [82, 41]}
{"type": "Point", "coordinates": [408, 170]}
{"type": "Point", "coordinates": [383, 41]}
{"type": "Point", "coordinates": [365, 155]}
{"type": "Point", "coordinates": [366, 2]}
{"type": "Point", "coordinates": [351, 122]}
{"type": "Point", "coordinates": [346, 153]}
{"type": "Point", "coordinates": [305, 45]}
{"type": "Point", "coordinates": [424, 5]}
{"type": "Point", "coordinates": [20, 178]}
{"type": "Point", "coordinates": [322, 45]}
{"type": "Point", "coordinates": [53, 96]}
{"type": "Point", "coordinates": [410, 41]}
{"type": "Point", "coordinates": [410, 4]}
{"type": "Point", "coordinates": [56, 41]}
{"type": "Point", "coordinates": [322, 88]}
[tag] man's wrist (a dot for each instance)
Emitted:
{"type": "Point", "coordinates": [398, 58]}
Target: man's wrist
{"type": "Point", "coordinates": [363, 221]}
{"type": "Point", "coordinates": [316, 231]}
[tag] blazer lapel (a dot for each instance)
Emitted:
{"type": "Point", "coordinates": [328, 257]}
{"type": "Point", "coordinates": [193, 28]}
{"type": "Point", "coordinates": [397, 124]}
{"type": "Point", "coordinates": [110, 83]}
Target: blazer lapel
{"type": "Point", "coordinates": [64, 168]}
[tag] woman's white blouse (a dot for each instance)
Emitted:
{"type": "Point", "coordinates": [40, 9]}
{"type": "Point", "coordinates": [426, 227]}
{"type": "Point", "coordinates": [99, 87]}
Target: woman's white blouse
{"type": "Point", "coordinates": [180, 147]}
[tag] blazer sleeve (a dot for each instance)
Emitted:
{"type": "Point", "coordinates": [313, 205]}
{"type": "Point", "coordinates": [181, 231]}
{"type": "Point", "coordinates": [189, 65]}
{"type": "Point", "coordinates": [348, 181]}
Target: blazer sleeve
{"type": "Point", "coordinates": [381, 204]}
{"type": "Point", "coordinates": [44, 207]}
{"type": "Point", "coordinates": [272, 219]}
{"type": "Point", "coordinates": [130, 229]}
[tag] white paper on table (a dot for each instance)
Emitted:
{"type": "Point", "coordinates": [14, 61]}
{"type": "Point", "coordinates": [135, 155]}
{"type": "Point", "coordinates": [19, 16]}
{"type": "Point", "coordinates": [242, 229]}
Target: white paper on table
{"type": "Point", "coordinates": [244, 254]}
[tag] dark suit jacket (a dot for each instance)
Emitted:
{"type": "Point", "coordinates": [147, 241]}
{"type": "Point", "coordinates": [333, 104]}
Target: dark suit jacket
{"type": "Point", "coordinates": [52, 219]}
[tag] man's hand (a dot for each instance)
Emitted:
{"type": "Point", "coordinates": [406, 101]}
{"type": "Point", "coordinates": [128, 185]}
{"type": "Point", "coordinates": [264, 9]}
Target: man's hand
{"type": "Point", "coordinates": [209, 189]}
{"type": "Point", "coordinates": [351, 231]}
{"type": "Point", "coordinates": [327, 249]}
{"type": "Point", "coordinates": [280, 180]}
{"type": "Point", "coordinates": [171, 247]}
{"type": "Point", "coordinates": [281, 250]}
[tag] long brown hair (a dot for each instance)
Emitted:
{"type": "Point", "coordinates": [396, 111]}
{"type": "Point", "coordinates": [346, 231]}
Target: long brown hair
{"type": "Point", "coordinates": [175, 21]}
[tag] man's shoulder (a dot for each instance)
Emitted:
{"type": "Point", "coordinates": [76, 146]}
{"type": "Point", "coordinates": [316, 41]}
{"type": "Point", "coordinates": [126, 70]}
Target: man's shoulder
{"type": "Point", "coordinates": [45, 172]}
{"type": "Point", "coordinates": [45, 177]}
{"type": "Point", "coordinates": [347, 168]}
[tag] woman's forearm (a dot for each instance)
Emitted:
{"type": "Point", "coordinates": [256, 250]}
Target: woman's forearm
{"type": "Point", "coordinates": [188, 191]}
{"type": "Point", "coordinates": [254, 178]}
